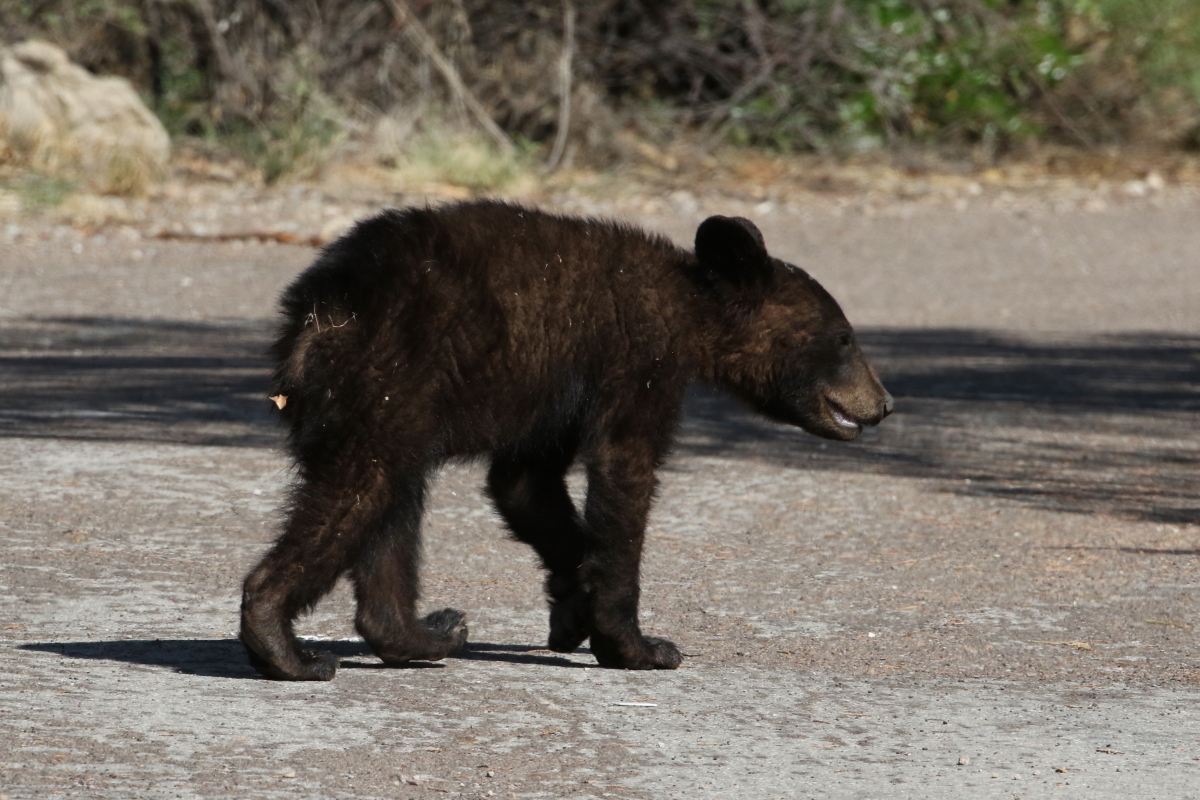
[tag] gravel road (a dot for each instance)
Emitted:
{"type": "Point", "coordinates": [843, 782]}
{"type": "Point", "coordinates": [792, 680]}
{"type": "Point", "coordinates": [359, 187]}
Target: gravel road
{"type": "Point", "coordinates": [992, 595]}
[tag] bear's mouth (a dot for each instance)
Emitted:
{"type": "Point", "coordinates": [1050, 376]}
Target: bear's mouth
{"type": "Point", "coordinates": [842, 418]}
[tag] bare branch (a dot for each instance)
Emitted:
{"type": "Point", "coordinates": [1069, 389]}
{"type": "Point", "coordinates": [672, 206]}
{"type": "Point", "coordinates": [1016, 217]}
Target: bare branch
{"type": "Point", "coordinates": [421, 38]}
{"type": "Point", "coordinates": [217, 40]}
{"type": "Point", "coordinates": [564, 86]}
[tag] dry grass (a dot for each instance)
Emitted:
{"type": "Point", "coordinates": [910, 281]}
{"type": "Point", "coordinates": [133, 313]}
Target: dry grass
{"type": "Point", "coordinates": [416, 151]}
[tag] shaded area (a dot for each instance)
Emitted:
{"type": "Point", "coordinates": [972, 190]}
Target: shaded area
{"type": "Point", "coordinates": [137, 380]}
{"type": "Point", "coordinates": [1100, 373]}
{"type": "Point", "coordinates": [1104, 424]}
{"type": "Point", "coordinates": [1137, 551]}
{"type": "Point", "coordinates": [519, 654]}
{"type": "Point", "coordinates": [212, 658]}
{"type": "Point", "coordinates": [226, 658]}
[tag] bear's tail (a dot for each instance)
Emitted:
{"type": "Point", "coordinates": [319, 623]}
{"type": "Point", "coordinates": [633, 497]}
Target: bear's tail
{"type": "Point", "coordinates": [322, 335]}
{"type": "Point", "coordinates": [287, 380]}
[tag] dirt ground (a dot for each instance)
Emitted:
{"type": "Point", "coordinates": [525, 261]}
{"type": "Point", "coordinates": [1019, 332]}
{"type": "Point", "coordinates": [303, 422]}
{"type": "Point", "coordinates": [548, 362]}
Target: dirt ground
{"type": "Point", "coordinates": [994, 594]}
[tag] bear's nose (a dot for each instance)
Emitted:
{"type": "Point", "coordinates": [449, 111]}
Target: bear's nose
{"type": "Point", "coordinates": [888, 404]}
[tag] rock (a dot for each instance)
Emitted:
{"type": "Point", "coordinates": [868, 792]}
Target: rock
{"type": "Point", "coordinates": [58, 117]}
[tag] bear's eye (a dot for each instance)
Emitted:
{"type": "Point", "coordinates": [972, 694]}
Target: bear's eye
{"type": "Point", "coordinates": [845, 339]}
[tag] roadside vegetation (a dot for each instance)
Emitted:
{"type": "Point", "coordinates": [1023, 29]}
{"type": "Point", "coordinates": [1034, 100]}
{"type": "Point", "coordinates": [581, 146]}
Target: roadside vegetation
{"type": "Point", "coordinates": [284, 85]}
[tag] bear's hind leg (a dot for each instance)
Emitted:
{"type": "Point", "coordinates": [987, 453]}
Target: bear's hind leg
{"type": "Point", "coordinates": [386, 586]}
{"type": "Point", "coordinates": [322, 536]}
{"type": "Point", "coordinates": [531, 495]}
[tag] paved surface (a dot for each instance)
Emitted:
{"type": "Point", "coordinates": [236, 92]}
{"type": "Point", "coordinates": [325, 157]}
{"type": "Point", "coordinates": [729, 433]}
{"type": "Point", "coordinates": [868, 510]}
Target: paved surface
{"type": "Point", "coordinates": [994, 594]}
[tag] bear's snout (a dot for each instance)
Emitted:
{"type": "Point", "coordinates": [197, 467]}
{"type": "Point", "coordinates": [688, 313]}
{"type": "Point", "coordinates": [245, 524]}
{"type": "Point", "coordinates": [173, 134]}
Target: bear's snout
{"type": "Point", "coordinates": [855, 402]}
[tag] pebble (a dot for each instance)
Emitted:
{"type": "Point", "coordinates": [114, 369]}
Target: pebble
{"type": "Point", "coordinates": [964, 761]}
{"type": "Point", "coordinates": [1136, 188]}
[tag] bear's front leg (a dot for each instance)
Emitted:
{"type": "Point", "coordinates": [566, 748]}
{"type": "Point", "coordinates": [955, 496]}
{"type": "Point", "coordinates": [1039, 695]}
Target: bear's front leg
{"type": "Point", "coordinates": [621, 486]}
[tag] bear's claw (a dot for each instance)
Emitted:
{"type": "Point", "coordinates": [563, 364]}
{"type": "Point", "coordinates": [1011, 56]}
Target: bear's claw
{"type": "Point", "coordinates": [650, 652]}
{"type": "Point", "coordinates": [438, 635]}
{"type": "Point", "coordinates": [303, 665]}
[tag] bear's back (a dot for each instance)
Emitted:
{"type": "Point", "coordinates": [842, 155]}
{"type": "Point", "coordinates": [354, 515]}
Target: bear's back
{"type": "Point", "coordinates": [470, 303]}
{"type": "Point", "coordinates": [501, 276]}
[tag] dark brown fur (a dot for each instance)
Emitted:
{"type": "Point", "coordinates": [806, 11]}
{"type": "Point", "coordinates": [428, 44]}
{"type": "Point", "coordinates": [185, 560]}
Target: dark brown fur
{"type": "Point", "coordinates": [485, 329]}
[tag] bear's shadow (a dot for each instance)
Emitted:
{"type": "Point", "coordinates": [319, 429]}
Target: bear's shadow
{"type": "Point", "coordinates": [226, 658]}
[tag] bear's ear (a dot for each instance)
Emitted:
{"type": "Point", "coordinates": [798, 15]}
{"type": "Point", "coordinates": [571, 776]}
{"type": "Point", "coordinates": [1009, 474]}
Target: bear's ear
{"type": "Point", "coordinates": [732, 249]}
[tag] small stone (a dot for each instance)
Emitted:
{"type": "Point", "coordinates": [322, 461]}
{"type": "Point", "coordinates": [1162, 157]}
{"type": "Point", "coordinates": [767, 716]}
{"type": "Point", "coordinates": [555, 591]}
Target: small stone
{"type": "Point", "coordinates": [1060, 769]}
{"type": "Point", "coordinates": [335, 228]}
{"type": "Point", "coordinates": [491, 773]}
{"type": "Point", "coordinates": [964, 761]}
{"type": "Point", "coordinates": [1136, 189]}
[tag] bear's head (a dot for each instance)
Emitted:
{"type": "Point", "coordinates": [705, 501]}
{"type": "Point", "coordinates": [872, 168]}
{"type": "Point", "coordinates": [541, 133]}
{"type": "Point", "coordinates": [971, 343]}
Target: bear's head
{"type": "Point", "coordinates": [784, 344]}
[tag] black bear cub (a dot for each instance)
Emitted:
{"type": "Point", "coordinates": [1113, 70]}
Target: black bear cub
{"type": "Point", "coordinates": [487, 329]}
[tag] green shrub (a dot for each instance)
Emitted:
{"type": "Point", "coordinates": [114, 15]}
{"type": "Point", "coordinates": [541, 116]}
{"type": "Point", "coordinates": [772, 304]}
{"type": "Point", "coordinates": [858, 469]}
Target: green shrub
{"type": "Point", "coordinates": [1080, 70]}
